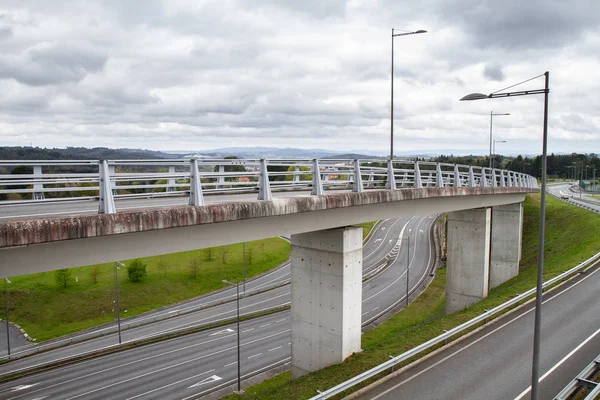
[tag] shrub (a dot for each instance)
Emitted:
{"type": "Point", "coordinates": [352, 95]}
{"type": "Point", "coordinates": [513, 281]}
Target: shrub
{"type": "Point", "coordinates": [136, 270]}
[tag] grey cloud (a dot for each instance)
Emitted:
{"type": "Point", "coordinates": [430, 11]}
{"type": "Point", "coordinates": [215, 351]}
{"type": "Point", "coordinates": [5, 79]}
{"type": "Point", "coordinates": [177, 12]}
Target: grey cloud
{"type": "Point", "coordinates": [50, 63]}
{"type": "Point", "coordinates": [493, 72]}
{"type": "Point", "coordinates": [313, 8]}
{"type": "Point", "coordinates": [517, 24]}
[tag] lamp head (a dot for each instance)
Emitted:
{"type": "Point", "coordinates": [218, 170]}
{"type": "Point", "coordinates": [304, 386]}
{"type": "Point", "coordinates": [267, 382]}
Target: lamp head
{"type": "Point", "coordinates": [421, 31]}
{"type": "Point", "coordinates": [475, 96]}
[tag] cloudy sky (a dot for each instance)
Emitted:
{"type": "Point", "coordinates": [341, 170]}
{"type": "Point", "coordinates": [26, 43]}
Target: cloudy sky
{"type": "Point", "coordinates": [180, 74]}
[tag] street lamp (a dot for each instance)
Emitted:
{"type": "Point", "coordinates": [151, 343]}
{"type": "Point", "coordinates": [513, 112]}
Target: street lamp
{"type": "Point", "coordinates": [6, 310]}
{"type": "Point", "coordinates": [237, 286]}
{"type": "Point", "coordinates": [117, 309]}
{"type": "Point", "coordinates": [540, 270]}
{"type": "Point", "coordinates": [494, 148]}
{"type": "Point", "coordinates": [492, 114]}
{"type": "Point", "coordinates": [392, 89]}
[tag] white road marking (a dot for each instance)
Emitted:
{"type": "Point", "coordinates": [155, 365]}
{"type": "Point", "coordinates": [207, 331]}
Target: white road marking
{"type": "Point", "coordinates": [248, 330]}
{"type": "Point", "coordinates": [377, 240]}
{"type": "Point", "coordinates": [558, 364]}
{"type": "Point", "coordinates": [376, 308]}
{"type": "Point", "coordinates": [262, 326]}
{"type": "Point", "coordinates": [195, 345]}
{"type": "Point", "coordinates": [227, 365]}
{"type": "Point", "coordinates": [365, 313]}
{"type": "Point", "coordinates": [256, 355]}
{"type": "Point", "coordinates": [281, 320]}
{"type": "Point", "coordinates": [276, 348]}
{"type": "Point", "coordinates": [228, 330]}
{"type": "Point", "coordinates": [476, 341]}
{"type": "Point", "coordinates": [172, 311]}
{"type": "Point", "coordinates": [22, 387]}
{"type": "Point", "coordinates": [210, 379]}
{"type": "Point", "coordinates": [170, 384]}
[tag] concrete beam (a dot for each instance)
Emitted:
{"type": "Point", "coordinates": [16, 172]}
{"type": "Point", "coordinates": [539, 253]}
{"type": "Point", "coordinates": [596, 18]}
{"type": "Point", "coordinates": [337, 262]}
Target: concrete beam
{"type": "Point", "coordinates": [326, 298]}
{"type": "Point", "coordinates": [29, 246]}
{"type": "Point", "coordinates": [505, 252]}
{"type": "Point", "coordinates": [467, 258]}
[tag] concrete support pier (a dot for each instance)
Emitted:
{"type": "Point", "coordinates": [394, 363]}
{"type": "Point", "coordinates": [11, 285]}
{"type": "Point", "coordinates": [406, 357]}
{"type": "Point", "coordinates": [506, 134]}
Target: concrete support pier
{"type": "Point", "coordinates": [467, 257]}
{"type": "Point", "coordinates": [326, 297]}
{"type": "Point", "coordinates": [505, 254]}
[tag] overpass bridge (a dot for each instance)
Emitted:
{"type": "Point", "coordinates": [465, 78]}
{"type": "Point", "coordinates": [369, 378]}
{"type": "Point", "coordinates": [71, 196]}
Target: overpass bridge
{"type": "Point", "coordinates": [484, 209]}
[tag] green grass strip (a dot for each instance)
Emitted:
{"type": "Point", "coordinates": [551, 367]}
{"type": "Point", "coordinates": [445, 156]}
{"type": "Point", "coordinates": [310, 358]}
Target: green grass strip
{"type": "Point", "coordinates": [46, 310]}
{"type": "Point", "coordinates": [571, 237]}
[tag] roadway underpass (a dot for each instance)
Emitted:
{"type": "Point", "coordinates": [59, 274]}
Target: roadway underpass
{"type": "Point", "coordinates": [174, 367]}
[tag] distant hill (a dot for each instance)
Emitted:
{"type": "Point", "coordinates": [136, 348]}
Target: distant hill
{"type": "Point", "coordinates": [80, 153]}
{"type": "Point", "coordinates": [264, 152]}
{"type": "Point", "coordinates": [355, 156]}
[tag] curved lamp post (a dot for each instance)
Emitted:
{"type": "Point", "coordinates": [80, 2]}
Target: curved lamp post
{"type": "Point", "coordinates": [540, 267]}
{"type": "Point", "coordinates": [492, 115]}
{"type": "Point", "coordinates": [494, 149]}
{"type": "Point", "coordinates": [239, 377]}
{"type": "Point", "coordinates": [392, 89]}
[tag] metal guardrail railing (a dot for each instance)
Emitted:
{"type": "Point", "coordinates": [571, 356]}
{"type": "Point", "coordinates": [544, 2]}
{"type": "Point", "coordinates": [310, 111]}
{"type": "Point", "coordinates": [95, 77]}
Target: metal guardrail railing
{"type": "Point", "coordinates": [109, 179]}
{"type": "Point", "coordinates": [445, 336]}
{"type": "Point", "coordinates": [583, 381]}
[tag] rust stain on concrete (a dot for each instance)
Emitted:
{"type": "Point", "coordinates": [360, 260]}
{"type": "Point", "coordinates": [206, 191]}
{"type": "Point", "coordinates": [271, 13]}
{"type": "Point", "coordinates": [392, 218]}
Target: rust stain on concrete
{"type": "Point", "coordinates": [33, 231]}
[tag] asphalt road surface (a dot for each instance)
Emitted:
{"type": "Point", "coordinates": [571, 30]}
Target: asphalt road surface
{"type": "Point", "coordinates": [575, 196]}
{"type": "Point", "coordinates": [199, 363]}
{"type": "Point", "coordinates": [495, 363]}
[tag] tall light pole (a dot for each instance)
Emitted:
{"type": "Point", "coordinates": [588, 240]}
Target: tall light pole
{"type": "Point", "coordinates": [492, 114]}
{"type": "Point", "coordinates": [540, 271]}
{"type": "Point", "coordinates": [392, 89]}
{"type": "Point", "coordinates": [244, 251]}
{"type": "Point", "coordinates": [239, 379]}
{"type": "Point", "coordinates": [117, 308]}
{"type": "Point", "coordinates": [407, 265]}
{"type": "Point", "coordinates": [6, 311]}
{"type": "Point", "coordinates": [494, 149]}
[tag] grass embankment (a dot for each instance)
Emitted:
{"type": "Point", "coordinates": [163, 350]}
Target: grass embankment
{"type": "Point", "coordinates": [367, 226]}
{"type": "Point", "coordinates": [46, 310]}
{"type": "Point", "coordinates": [571, 237]}
{"type": "Point", "coordinates": [595, 197]}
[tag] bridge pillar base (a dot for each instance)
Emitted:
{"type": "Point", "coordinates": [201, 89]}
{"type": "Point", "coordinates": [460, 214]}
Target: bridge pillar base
{"type": "Point", "coordinates": [326, 298]}
{"type": "Point", "coordinates": [467, 258]}
{"type": "Point", "coordinates": [507, 229]}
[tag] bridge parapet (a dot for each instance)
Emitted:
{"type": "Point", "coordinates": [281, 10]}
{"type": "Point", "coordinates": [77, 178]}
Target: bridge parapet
{"type": "Point", "coordinates": [114, 179]}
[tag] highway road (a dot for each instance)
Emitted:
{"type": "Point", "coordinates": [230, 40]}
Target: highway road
{"type": "Point", "coordinates": [495, 363]}
{"type": "Point", "coordinates": [575, 196]}
{"type": "Point", "coordinates": [170, 367]}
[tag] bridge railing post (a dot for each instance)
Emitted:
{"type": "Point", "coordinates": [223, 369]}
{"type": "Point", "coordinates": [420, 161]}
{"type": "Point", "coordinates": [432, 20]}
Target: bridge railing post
{"type": "Point", "coordinates": [196, 196]}
{"type": "Point", "coordinates": [264, 189]}
{"type": "Point", "coordinates": [38, 187]}
{"type": "Point", "coordinates": [483, 182]}
{"type": "Point", "coordinates": [357, 185]}
{"type": "Point", "coordinates": [471, 176]}
{"type": "Point", "coordinates": [457, 182]}
{"type": "Point", "coordinates": [494, 183]}
{"type": "Point", "coordinates": [391, 178]}
{"type": "Point", "coordinates": [317, 185]}
{"type": "Point", "coordinates": [418, 183]}
{"type": "Point", "coordinates": [296, 178]}
{"type": "Point", "coordinates": [171, 180]}
{"type": "Point", "coordinates": [220, 177]}
{"type": "Point", "coordinates": [502, 179]}
{"type": "Point", "coordinates": [439, 179]}
{"type": "Point", "coordinates": [107, 201]}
